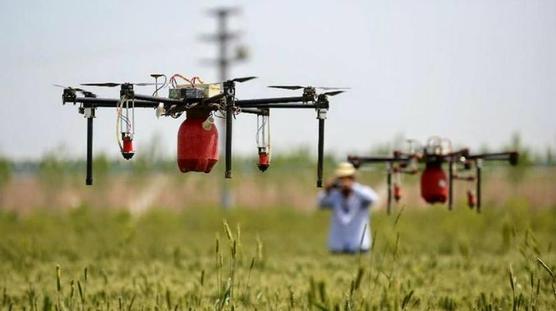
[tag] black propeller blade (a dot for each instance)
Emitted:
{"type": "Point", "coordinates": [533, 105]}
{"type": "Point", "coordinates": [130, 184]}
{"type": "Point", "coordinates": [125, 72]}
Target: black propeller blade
{"type": "Point", "coordinates": [286, 87]}
{"type": "Point", "coordinates": [243, 79]}
{"type": "Point", "coordinates": [80, 90]}
{"type": "Point", "coordinates": [114, 84]}
{"type": "Point", "coordinates": [240, 80]}
{"type": "Point", "coordinates": [298, 87]}
{"type": "Point", "coordinates": [332, 88]}
{"type": "Point", "coordinates": [333, 93]}
{"type": "Point", "coordinates": [69, 87]}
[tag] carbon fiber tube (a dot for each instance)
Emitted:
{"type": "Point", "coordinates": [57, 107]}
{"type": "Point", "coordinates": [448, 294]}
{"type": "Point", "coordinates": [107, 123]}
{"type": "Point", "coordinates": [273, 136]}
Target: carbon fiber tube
{"type": "Point", "coordinates": [478, 164]}
{"type": "Point", "coordinates": [363, 160]}
{"type": "Point", "coordinates": [89, 177]}
{"type": "Point", "coordinates": [450, 184]}
{"type": "Point", "coordinates": [229, 119]}
{"type": "Point", "coordinates": [265, 101]}
{"type": "Point", "coordinates": [320, 153]}
{"type": "Point", "coordinates": [389, 185]}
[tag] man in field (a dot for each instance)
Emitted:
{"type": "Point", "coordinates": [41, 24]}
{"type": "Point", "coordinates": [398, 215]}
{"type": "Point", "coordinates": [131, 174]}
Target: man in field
{"type": "Point", "coordinates": [350, 202]}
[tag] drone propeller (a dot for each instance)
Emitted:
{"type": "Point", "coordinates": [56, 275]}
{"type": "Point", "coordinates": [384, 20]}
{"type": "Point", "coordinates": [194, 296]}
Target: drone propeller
{"type": "Point", "coordinates": [337, 90]}
{"type": "Point", "coordinates": [286, 87]}
{"type": "Point", "coordinates": [298, 87]}
{"type": "Point", "coordinates": [114, 84]}
{"type": "Point", "coordinates": [240, 80]}
{"type": "Point", "coordinates": [80, 90]}
{"type": "Point", "coordinates": [333, 93]}
{"type": "Point", "coordinates": [332, 88]}
{"type": "Point", "coordinates": [243, 79]}
{"type": "Point", "coordinates": [69, 87]}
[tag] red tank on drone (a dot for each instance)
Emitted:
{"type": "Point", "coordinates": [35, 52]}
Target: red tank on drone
{"type": "Point", "coordinates": [434, 184]}
{"type": "Point", "coordinates": [197, 143]}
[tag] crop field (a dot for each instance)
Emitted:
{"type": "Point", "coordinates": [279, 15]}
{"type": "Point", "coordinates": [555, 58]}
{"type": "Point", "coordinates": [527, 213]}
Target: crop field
{"type": "Point", "coordinates": [275, 259]}
{"type": "Point", "coordinates": [159, 241]}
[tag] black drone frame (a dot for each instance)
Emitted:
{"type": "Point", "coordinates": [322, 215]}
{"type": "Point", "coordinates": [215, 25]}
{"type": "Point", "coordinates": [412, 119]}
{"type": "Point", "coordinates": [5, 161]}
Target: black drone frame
{"type": "Point", "coordinates": [400, 163]}
{"type": "Point", "coordinates": [226, 101]}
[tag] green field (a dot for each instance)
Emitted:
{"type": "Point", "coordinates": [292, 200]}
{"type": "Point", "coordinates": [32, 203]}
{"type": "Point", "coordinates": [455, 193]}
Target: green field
{"type": "Point", "coordinates": [276, 259]}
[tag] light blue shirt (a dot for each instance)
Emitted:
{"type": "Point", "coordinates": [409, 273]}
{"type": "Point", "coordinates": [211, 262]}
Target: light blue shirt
{"type": "Point", "coordinates": [350, 216]}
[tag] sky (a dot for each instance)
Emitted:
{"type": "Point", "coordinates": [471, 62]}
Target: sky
{"type": "Point", "coordinates": [474, 71]}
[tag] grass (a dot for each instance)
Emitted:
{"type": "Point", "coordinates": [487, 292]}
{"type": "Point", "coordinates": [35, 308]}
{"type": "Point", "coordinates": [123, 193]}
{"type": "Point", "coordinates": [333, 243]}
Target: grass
{"type": "Point", "coordinates": [275, 259]}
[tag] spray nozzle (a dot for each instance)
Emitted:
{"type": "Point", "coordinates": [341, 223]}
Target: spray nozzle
{"type": "Point", "coordinates": [264, 159]}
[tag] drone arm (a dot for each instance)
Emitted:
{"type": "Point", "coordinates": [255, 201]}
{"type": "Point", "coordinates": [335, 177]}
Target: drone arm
{"type": "Point", "coordinates": [141, 101]}
{"type": "Point", "coordinates": [357, 161]}
{"type": "Point", "coordinates": [282, 106]}
{"type": "Point", "coordinates": [455, 155]}
{"type": "Point", "coordinates": [257, 111]}
{"type": "Point", "coordinates": [511, 156]}
{"type": "Point", "coordinates": [89, 102]}
{"type": "Point", "coordinates": [274, 102]}
{"type": "Point", "coordinates": [155, 99]}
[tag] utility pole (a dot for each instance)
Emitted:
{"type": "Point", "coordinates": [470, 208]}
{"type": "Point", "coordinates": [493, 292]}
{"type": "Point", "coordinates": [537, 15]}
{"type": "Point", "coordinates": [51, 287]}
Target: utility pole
{"type": "Point", "coordinates": [223, 38]}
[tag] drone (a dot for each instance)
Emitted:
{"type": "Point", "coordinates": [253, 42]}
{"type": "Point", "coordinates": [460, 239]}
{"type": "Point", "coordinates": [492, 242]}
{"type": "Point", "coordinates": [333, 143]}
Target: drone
{"type": "Point", "coordinates": [201, 102]}
{"type": "Point", "coordinates": [436, 185]}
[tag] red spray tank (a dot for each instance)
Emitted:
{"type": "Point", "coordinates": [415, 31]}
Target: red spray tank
{"type": "Point", "coordinates": [197, 143]}
{"type": "Point", "coordinates": [434, 183]}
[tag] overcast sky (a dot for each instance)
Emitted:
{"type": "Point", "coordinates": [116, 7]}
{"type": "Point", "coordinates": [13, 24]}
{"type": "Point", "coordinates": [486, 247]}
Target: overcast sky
{"type": "Point", "coordinates": [474, 71]}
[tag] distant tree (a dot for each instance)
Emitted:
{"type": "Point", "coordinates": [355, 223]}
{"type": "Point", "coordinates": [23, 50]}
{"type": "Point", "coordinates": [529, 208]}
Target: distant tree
{"type": "Point", "coordinates": [5, 175]}
{"type": "Point", "coordinates": [549, 160]}
{"type": "Point", "coordinates": [53, 172]}
{"type": "Point", "coordinates": [299, 155]}
{"type": "Point", "coordinates": [383, 149]}
{"type": "Point", "coordinates": [484, 148]}
{"type": "Point", "coordinates": [149, 158]}
{"type": "Point", "coordinates": [101, 165]}
{"type": "Point", "coordinates": [517, 173]}
{"type": "Point", "coordinates": [5, 171]}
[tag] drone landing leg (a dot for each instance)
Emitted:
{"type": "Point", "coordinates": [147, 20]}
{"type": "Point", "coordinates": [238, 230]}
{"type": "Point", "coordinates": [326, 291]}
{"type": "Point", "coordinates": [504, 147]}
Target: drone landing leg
{"type": "Point", "coordinates": [389, 185]}
{"type": "Point", "coordinates": [450, 184]}
{"type": "Point", "coordinates": [478, 167]}
{"type": "Point", "coordinates": [89, 114]}
{"type": "Point", "coordinates": [320, 153]}
{"type": "Point", "coordinates": [229, 116]}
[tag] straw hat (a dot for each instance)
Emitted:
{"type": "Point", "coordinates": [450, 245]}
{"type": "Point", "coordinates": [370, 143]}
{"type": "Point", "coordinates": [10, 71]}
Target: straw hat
{"type": "Point", "coordinates": [344, 169]}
